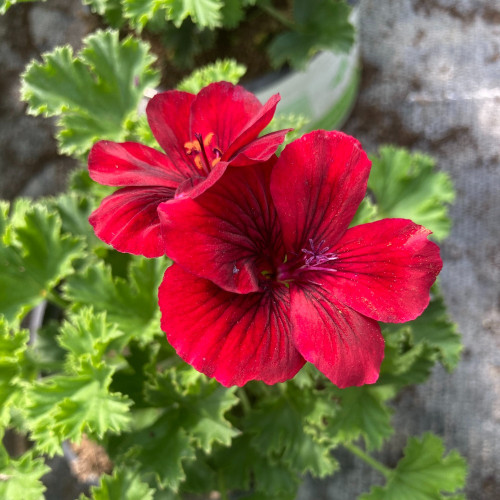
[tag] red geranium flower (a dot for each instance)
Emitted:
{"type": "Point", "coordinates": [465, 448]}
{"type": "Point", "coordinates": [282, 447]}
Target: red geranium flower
{"type": "Point", "coordinates": [201, 135]}
{"type": "Point", "coordinates": [268, 275]}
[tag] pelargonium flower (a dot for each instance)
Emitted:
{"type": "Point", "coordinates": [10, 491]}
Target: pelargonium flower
{"type": "Point", "coordinates": [201, 135]}
{"type": "Point", "coordinates": [268, 275]}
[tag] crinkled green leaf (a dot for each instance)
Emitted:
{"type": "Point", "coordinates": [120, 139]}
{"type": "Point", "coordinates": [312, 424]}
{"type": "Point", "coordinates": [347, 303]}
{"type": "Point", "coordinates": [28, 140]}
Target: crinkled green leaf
{"type": "Point", "coordinates": [111, 10]}
{"type": "Point", "coordinates": [404, 361]}
{"type": "Point", "coordinates": [93, 93]}
{"type": "Point", "coordinates": [159, 449]}
{"type": "Point", "coordinates": [124, 484]}
{"type": "Point", "coordinates": [74, 210]}
{"type": "Point", "coordinates": [199, 403]}
{"type": "Point", "coordinates": [140, 12]}
{"type": "Point", "coordinates": [318, 25]}
{"type": "Point", "coordinates": [5, 4]}
{"type": "Point", "coordinates": [12, 351]}
{"type": "Point", "coordinates": [34, 262]}
{"type": "Point", "coordinates": [423, 473]}
{"type": "Point", "coordinates": [20, 477]}
{"type": "Point", "coordinates": [65, 406]}
{"type": "Point", "coordinates": [232, 13]}
{"type": "Point", "coordinates": [132, 304]}
{"type": "Point", "coordinates": [362, 412]}
{"type": "Point", "coordinates": [204, 13]}
{"type": "Point", "coordinates": [301, 415]}
{"type": "Point", "coordinates": [407, 186]}
{"type": "Point", "coordinates": [193, 418]}
{"type": "Point", "coordinates": [221, 70]}
{"type": "Point", "coordinates": [435, 329]}
{"type": "Point", "coordinates": [86, 334]}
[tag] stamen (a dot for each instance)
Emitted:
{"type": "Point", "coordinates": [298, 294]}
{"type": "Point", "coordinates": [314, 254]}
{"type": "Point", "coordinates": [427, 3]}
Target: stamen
{"type": "Point", "coordinates": [317, 256]}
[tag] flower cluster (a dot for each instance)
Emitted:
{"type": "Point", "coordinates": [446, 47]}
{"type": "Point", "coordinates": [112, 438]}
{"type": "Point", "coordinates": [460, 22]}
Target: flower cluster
{"type": "Point", "coordinates": [267, 273]}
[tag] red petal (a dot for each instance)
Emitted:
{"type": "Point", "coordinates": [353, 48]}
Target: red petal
{"type": "Point", "coordinates": [225, 110]}
{"type": "Point", "coordinates": [260, 149]}
{"type": "Point", "coordinates": [128, 220]}
{"type": "Point", "coordinates": [132, 164]}
{"type": "Point", "coordinates": [169, 115]}
{"type": "Point", "coordinates": [234, 338]}
{"type": "Point", "coordinates": [196, 185]}
{"type": "Point", "coordinates": [227, 233]}
{"type": "Point", "coordinates": [384, 269]}
{"type": "Point", "coordinates": [317, 186]}
{"type": "Point", "coordinates": [346, 346]}
{"type": "Point", "coordinates": [254, 127]}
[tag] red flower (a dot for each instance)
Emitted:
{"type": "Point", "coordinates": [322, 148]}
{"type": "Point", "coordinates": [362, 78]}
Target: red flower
{"type": "Point", "coordinates": [268, 275]}
{"type": "Point", "coordinates": [201, 135]}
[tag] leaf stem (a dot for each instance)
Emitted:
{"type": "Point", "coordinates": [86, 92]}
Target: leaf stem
{"type": "Point", "coordinates": [222, 487]}
{"type": "Point", "coordinates": [278, 16]}
{"type": "Point", "coordinates": [386, 471]}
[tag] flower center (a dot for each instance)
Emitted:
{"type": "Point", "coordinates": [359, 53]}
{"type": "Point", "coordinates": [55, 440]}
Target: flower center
{"type": "Point", "coordinates": [205, 155]}
{"type": "Point", "coordinates": [315, 258]}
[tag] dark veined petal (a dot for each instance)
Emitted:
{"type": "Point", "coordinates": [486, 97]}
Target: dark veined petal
{"type": "Point", "coordinates": [343, 344]}
{"type": "Point", "coordinates": [132, 164]}
{"type": "Point", "coordinates": [317, 186]}
{"type": "Point", "coordinates": [230, 233]}
{"type": "Point", "coordinates": [128, 220]}
{"type": "Point", "coordinates": [254, 127]}
{"type": "Point", "coordinates": [232, 337]}
{"type": "Point", "coordinates": [260, 149]}
{"type": "Point", "coordinates": [198, 184]}
{"type": "Point", "coordinates": [169, 115]}
{"type": "Point", "coordinates": [225, 110]}
{"type": "Point", "coordinates": [384, 269]}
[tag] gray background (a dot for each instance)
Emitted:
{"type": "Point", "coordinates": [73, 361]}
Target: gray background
{"type": "Point", "coordinates": [431, 82]}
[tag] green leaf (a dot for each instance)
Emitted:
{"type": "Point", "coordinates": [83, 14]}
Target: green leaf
{"type": "Point", "coordinates": [404, 361]}
{"type": "Point", "coordinates": [407, 186]}
{"type": "Point", "coordinates": [5, 4]}
{"type": "Point", "coordinates": [159, 449]}
{"type": "Point", "coordinates": [301, 415]}
{"type": "Point", "coordinates": [65, 406]}
{"type": "Point", "coordinates": [12, 348]}
{"type": "Point", "coordinates": [204, 13]}
{"type": "Point", "coordinates": [125, 484]}
{"type": "Point", "coordinates": [131, 304]}
{"type": "Point", "coordinates": [435, 329]}
{"type": "Point", "coordinates": [423, 473]}
{"type": "Point", "coordinates": [232, 13]}
{"type": "Point", "coordinates": [362, 412]}
{"type": "Point", "coordinates": [222, 69]}
{"type": "Point", "coordinates": [367, 212]}
{"type": "Point", "coordinates": [198, 403]}
{"type": "Point", "coordinates": [92, 94]}
{"type": "Point", "coordinates": [86, 335]}
{"type": "Point", "coordinates": [35, 261]}
{"type": "Point", "coordinates": [111, 10]}
{"type": "Point", "coordinates": [281, 121]}
{"type": "Point", "coordinates": [20, 478]}
{"type": "Point", "coordinates": [140, 12]}
{"type": "Point", "coordinates": [318, 25]}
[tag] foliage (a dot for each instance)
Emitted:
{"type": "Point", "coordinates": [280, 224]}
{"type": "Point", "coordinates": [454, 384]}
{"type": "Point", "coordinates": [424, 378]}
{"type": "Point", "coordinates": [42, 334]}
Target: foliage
{"type": "Point", "coordinates": [94, 93]}
{"type": "Point", "coordinates": [406, 185]}
{"type": "Point", "coordinates": [318, 25]}
{"type": "Point", "coordinates": [99, 364]}
{"type": "Point", "coordinates": [423, 473]}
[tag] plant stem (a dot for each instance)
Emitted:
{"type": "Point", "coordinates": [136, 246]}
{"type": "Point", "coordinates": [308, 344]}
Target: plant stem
{"type": "Point", "coordinates": [222, 487]}
{"type": "Point", "coordinates": [386, 471]}
{"type": "Point", "coordinates": [278, 16]}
